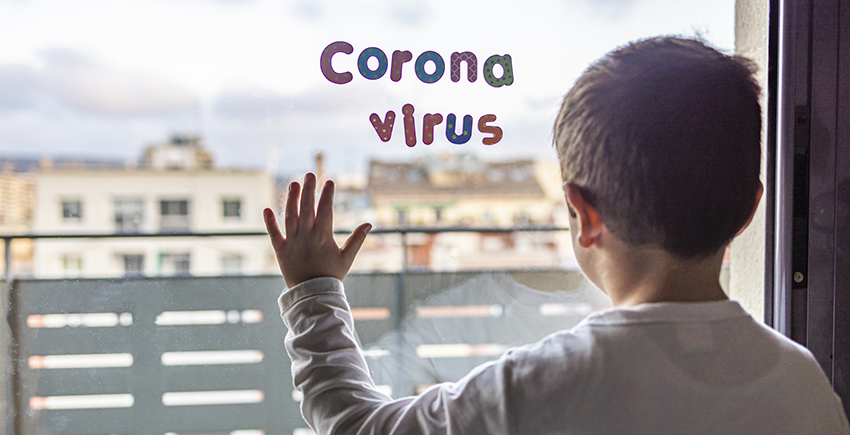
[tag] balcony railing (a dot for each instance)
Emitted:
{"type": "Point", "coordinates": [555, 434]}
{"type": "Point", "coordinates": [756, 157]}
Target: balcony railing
{"type": "Point", "coordinates": [205, 354]}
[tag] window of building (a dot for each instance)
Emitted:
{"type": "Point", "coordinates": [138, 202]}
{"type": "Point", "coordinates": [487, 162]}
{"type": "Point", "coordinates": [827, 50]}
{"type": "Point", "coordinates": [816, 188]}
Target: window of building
{"type": "Point", "coordinates": [172, 264]}
{"type": "Point", "coordinates": [129, 214]}
{"type": "Point", "coordinates": [72, 265]}
{"type": "Point", "coordinates": [174, 215]}
{"type": "Point", "coordinates": [72, 210]}
{"type": "Point", "coordinates": [402, 216]}
{"type": "Point", "coordinates": [232, 209]}
{"type": "Point", "coordinates": [231, 264]}
{"type": "Point", "coordinates": [134, 264]}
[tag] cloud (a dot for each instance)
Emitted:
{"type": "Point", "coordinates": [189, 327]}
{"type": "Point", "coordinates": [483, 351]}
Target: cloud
{"type": "Point", "coordinates": [249, 104]}
{"type": "Point", "coordinates": [17, 87]}
{"type": "Point", "coordinates": [309, 9]}
{"type": "Point", "coordinates": [79, 83]}
{"type": "Point", "coordinates": [410, 12]}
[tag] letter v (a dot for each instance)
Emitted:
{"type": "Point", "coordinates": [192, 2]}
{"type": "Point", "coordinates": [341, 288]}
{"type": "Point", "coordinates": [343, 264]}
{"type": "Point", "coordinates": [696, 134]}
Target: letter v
{"type": "Point", "coordinates": [385, 128]}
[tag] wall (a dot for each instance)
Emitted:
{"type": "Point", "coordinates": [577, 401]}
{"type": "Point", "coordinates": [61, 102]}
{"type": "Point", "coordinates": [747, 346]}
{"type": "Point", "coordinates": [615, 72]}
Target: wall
{"type": "Point", "coordinates": [746, 282]}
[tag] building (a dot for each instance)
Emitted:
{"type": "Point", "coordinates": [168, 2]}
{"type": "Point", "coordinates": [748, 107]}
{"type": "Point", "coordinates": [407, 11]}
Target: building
{"type": "Point", "coordinates": [463, 191]}
{"type": "Point", "coordinates": [16, 195]}
{"type": "Point", "coordinates": [175, 190]}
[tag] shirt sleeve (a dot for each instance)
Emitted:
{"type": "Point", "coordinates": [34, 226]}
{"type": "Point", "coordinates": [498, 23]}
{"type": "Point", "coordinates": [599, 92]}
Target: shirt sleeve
{"type": "Point", "coordinates": [340, 396]}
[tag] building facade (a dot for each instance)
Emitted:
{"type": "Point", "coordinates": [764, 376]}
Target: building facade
{"type": "Point", "coordinates": [461, 191]}
{"type": "Point", "coordinates": [175, 191]}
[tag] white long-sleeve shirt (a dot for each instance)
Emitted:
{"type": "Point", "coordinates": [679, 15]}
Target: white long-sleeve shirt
{"type": "Point", "coordinates": [652, 369]}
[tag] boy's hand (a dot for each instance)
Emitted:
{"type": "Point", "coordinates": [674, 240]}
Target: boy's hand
{"type": "Point", "coordinates": [309, 250]}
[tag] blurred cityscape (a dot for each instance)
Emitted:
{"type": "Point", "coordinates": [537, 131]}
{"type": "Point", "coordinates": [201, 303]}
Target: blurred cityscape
{"type": "Point", "coordinates": [175, 188]}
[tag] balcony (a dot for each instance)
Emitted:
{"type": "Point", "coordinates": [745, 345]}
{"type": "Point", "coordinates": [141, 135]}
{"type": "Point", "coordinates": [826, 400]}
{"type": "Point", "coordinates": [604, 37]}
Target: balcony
{"type": "Point", "coordinates": [190, 355]}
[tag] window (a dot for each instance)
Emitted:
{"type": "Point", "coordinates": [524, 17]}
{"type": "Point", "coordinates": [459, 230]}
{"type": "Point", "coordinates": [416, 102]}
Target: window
{"type": "Point", "coordinates": [128, 215]}
{"type": "Point", "coordinates": [174, 215]}
{"type": "Point", "coordinates": [72, 211]}
{"type": "Point", "coordinates": [72, 265]}
{"type": "Point", "coordinates": [231, 264]}
{"type": "Point", "coordinates": [232, 209]}
{"type": "Point", "coordinates": [174, 264]}
{"type": "Point", "coordinates": [134, 265]}
{"type": "Point", "coordinates": [259, 132]}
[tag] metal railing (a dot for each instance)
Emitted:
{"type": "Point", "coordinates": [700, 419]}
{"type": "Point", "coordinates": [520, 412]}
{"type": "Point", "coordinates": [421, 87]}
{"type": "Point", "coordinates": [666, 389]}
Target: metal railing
{"type": "Point", "coordinates": [8, 270]}
{"type": "Point", "coordinates": [393, 311]}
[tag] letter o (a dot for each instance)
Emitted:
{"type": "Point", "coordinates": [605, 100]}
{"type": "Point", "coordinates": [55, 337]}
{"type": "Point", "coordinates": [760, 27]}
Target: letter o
{"type": "Point", "coordinates": [420, 67]}
{"type": "Point", "coordinates": [363, 63]}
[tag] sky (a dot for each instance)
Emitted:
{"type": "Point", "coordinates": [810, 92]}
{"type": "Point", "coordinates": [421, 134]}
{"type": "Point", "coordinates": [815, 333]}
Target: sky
{"type": "Point", "coordinates": [104, 79]}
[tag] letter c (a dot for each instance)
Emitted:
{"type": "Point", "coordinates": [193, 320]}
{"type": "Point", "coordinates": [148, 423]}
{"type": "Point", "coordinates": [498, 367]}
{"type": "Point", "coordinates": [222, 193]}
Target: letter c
{"type": "Point", "coordinates": [327, 69]}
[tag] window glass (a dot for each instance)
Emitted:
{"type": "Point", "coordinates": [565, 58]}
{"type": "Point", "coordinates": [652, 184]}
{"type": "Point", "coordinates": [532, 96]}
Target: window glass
{"type": "Point", "coordinates": [134, 264]}
{"type": "Point", "coordinates": [174, 215]}
{"type": "Point", "coordinates": [231, 264]}
{"type": "Point", "coordinates": [72, 211]}
{"type": "Point", "coordinates": [128, 215]}
{"type": "Point", "coordinates": [232, 208]}
{"type": "Point", "coordinates": [175, 264]}
{"type": "Point", "coordinates": [183, 120]}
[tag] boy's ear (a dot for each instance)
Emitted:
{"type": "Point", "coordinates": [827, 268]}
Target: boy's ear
{"type": "Point", "coordinates": [590, 224]}
{"type": "Point", "coordinates": [755, 207]}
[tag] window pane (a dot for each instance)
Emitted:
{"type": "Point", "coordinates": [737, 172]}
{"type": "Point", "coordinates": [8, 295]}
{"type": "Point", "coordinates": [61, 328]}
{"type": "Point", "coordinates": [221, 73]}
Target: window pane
{"type": "Point", "coordinates": [232, 208]}
{"type": "Point", "coordinates": [192, 117]}
{"type": "Point", "coordinates": [174, 215]}
{"type": "Point", "coordinates": [128, 215]}
{"type": "Point", "coordinates": [72, 210]}
{"type": "Point", "coordinates": [175, 264]}
{"type": "Point", "coordinates": [134, 265]}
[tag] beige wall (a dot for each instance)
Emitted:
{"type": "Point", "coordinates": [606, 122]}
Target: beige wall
{"type": "Point", "coordinates": [97, 191]}
{"type": "Point", "coordinates": [746, 283]}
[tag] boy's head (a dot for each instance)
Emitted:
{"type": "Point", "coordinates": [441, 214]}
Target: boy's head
{"type": "Point", "coordinates": [662, 137]}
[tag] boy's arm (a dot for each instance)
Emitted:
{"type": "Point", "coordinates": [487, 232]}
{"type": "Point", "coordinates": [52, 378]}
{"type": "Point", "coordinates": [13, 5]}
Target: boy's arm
{"type": "Point", "coordinates": [339, 395]}
{"type": "Point", "coordinates": [327, 365]}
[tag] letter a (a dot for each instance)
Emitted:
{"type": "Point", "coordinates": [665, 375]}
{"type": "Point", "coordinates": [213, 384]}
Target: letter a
{"type": "Point", "coordinates": [507, 77]}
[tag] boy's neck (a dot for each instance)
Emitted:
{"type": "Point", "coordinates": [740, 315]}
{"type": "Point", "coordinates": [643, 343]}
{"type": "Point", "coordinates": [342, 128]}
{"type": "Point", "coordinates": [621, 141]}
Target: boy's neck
{"type": "Point", "coordinates": [641, 275]}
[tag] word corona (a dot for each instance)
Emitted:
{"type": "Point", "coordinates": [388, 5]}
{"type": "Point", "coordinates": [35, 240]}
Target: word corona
{"type": "Point", "coordinates": [384, 127]}
{"type": "Point", "coordinates": [399, 58]}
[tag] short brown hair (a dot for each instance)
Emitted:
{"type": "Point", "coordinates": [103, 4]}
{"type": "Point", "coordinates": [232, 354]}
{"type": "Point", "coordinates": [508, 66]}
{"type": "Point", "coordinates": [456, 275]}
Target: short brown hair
{"type": "Point", "coordinates": [663, 138]}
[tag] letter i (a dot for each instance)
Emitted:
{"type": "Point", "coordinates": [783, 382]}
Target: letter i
{"type": "Point", "coordinates": [409, 125]}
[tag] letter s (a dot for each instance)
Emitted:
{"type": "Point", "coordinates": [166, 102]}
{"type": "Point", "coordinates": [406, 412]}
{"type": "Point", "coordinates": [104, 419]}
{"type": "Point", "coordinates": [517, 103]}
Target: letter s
{"type": "Point", "coordinates": [491, 129]}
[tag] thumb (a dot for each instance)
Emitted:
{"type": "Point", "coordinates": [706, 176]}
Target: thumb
{"type": "Point", "coordinates": [355, 241]}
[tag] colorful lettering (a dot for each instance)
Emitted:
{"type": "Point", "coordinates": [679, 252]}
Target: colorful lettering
{"type": "Point", "coordinates": [420, 67]}
{"type": "Point", "coordinates": [428, 123]}
{"type": "Point", "coordinates": [363, 63]}
{"type": "Point", "coordinates": [399, 57]}
{"type": "Point", "coordinates": [471, 66]}
{"type": "Point", "coordinates": [325, 62]}
{"type": "Point", "coordinates": [451, 134]}
{"type": "Point", "coordinates": [489, 129]}
{"type": "Point", "coordinates": [383, 128]}
{"type": "Point", "coordinates": [409, 125]}
{"type": "Point", "coordinates": [507, 71]}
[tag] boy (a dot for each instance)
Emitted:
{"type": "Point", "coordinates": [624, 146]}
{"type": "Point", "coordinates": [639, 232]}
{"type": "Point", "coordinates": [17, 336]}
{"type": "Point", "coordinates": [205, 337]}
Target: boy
{"type": "Point", "coordinates": [659, 151]}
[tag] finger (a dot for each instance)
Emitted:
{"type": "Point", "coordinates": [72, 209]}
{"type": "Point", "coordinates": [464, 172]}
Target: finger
{"type": "Point", "coordinates": [290, 216]}
{"type": "Point", "coordinates": [272, 228]}
{"type": "Point", "coordinates": [325, 209]}
{"type": "Point", "coordinates": [308, 203]}
{"type": "Point", "coordinates": [355, 241]}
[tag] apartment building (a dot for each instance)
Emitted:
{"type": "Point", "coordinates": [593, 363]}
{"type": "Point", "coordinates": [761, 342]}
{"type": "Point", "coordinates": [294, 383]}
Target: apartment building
{"type": "Point", "coordinates": [177, 191]}
{"type": "Point", "coordinates": [463, 191]}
